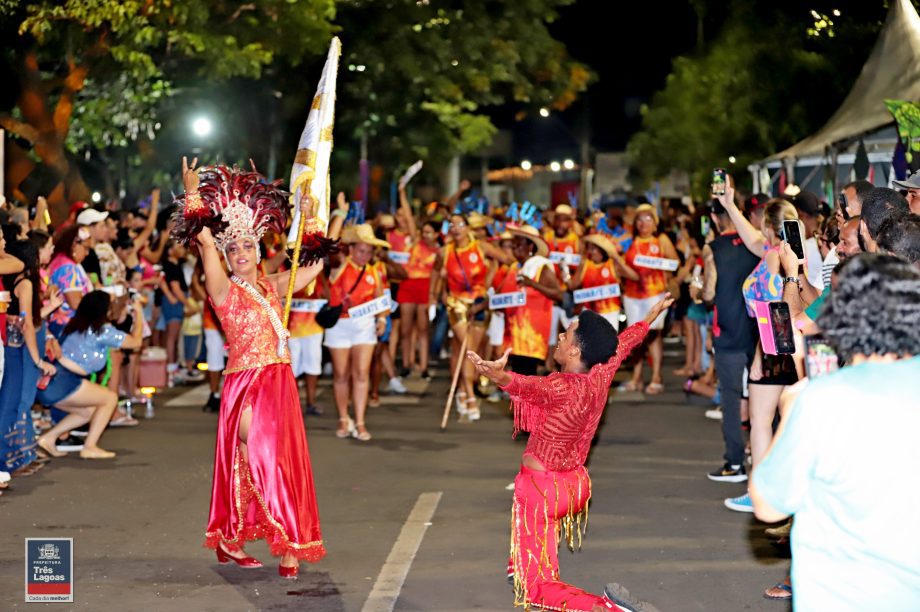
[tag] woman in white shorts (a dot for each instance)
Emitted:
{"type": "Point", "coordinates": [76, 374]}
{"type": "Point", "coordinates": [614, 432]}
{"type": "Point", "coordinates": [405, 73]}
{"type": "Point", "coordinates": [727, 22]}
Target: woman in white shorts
{"type": "Point", "coordinates": [645, 283]}
{"type": "Point", "coordinates": [351, 340]}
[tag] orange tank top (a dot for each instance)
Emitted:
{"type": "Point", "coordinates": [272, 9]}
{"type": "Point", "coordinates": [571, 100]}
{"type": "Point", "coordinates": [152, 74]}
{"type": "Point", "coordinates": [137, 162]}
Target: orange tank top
{"type": "Point", "coordinates": [363, 292]}
{"type": "Point", "coordinates": [597, 275]}
{"type": "Point", "coordinates": [651, 282]}
{"type": "Point", "coordinates": [399, 241]}
{"type": "Point", "coordinates": [421, 260]}
{"type": "Point", "coordinates": [527, 328]}
{"type": "Point", "coordinates": [466, 271]}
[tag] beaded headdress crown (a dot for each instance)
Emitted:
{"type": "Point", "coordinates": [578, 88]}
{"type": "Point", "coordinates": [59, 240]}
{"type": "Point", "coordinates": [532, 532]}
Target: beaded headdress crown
{"type": "Point", "coordinates": [233, 204]}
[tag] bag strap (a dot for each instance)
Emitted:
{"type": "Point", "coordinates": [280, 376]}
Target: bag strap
{"type": "Point", "coordinates": [466, 279]}
{"type": "Point", "coordinates": [358, 280]}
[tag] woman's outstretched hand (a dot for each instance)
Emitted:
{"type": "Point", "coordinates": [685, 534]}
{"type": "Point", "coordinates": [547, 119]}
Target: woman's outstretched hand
{"type": "Point", "coordinates": [493, 370]}
{"type": "Point", "coordinates": [659, 308]}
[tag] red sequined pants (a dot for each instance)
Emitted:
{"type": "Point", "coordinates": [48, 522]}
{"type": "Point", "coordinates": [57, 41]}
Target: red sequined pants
{"type": "Point", "coordinates": [548, 506]}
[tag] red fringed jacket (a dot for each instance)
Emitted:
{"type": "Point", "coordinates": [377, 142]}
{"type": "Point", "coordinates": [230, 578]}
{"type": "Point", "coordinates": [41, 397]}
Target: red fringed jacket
{"type": "Point", "coordinates": [561, 411]}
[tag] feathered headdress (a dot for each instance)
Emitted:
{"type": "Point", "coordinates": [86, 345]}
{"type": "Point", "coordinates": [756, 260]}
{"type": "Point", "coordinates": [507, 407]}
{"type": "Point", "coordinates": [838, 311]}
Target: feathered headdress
{"type": "Point", "coordinates": [233, 204]}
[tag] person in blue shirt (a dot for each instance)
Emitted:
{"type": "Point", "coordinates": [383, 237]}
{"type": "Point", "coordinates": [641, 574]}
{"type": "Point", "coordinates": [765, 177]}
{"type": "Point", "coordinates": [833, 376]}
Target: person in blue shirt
{"type": "Point", "coordinates": [86, 340]}
{"type": "Point", "coordinates": [846, 450]}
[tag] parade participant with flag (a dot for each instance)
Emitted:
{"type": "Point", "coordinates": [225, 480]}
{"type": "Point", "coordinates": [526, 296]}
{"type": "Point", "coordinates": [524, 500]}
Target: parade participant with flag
{"type": "Point", "coordinates": [551, 491]}
{"type": "Point", "coordinates": [263, 483]}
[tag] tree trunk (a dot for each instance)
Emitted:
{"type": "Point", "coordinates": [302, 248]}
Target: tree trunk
{"type": "Point", "coordinates": [46, 130]}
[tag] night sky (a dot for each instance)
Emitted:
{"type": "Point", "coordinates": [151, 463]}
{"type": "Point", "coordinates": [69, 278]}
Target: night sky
{"type": "Point", "coordinates": [630, 47]}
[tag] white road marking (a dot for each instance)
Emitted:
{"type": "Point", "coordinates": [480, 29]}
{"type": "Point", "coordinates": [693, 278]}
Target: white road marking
{"type": "Point", "coordinates": [197, 395]}
{"type": "Point", "coordinates": [395, 569]}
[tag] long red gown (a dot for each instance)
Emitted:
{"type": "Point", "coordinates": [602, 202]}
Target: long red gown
{"type": "Point", "coordinates": [271, 495]}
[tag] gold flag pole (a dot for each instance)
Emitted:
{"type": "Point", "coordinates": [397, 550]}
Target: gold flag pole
{"type": "Point", "coordinates": [295, 263]}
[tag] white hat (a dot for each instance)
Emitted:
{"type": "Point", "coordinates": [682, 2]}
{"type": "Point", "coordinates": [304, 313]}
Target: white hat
{"type": "Point", "coordinates": [90, 216]}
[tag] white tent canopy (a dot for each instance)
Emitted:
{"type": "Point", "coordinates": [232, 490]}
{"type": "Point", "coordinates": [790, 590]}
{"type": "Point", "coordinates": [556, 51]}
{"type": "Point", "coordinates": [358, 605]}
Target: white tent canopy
{"type": "Point", "coordinates": [891, 72]}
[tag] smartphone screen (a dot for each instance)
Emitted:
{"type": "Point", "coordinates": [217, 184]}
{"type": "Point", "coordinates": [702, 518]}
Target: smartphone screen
{"type": "Point", "coordinates": [719, 181]}
{"type": "Point", "coordinates": [782, 328]}
{"type": "Point", "coordinates": [842, 203]}
{"type": "Point", "coordinates": [792, 234]}
{"type": "Point", "coordinates": [704, 226]}
{"type": "Point", "coordinates": [820, 357]}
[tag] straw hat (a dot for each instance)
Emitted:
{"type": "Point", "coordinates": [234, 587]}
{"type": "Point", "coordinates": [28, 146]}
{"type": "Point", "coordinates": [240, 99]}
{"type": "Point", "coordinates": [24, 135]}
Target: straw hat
{"type": "Point", "coordinates": [601, 242]}
{"type": "Point", "coordinates": [363, 233]}
{"type": "Point", "coordinates": [647, 208]}
{"type": "Point", "coordinates": [387, 221]}
{"type": "Point", "coordinates": [476, 221]}
{"type": "Point", "coordinates": [505, 235]}
{"type": "Point", "coordinates": [531, 233]}
{"type": "Point", "coordinates": [564, 210]}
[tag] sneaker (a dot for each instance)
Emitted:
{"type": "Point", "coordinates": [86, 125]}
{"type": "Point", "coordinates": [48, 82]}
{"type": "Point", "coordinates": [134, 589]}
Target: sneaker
{"type": "Point", "coordinates": [618, 598]}
{"type": "Point", "coordinates": [70, 444]}
{"type": "Point", "coordinates": [403, 373]}
{"type": "Point", "coordinates": [783, 531]}
{"type": "Point", "coordinates": [495, 397]}
{"type": "Point", "coordinates": [742, 503]}
{"type": "Point", "coordinates": [715, 414]}
{"type": "Point", "coordinates": [396, 386]}
{"type": "Point", "coordinates": [426, 375]}
{"type": "Point", "coordinates": [729, 473]}
{"type": "Point", "coordinates": [314, 410]}
{"type": "Point", "coordinates": [193, 376]}
{"type": "Point", "coordinates": [78, 433]}
{"type": "Point", "coordinates": [510, 572]}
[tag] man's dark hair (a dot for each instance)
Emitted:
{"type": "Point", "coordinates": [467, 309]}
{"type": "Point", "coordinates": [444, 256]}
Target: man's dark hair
{"type": "Point", "coordinates": [900, 235]}
{"type": "Point", "coordinates": [596, 338]}
{"type": "Point", "coordinates": [861, 187]}
{"type": "Point", "coordinates": [878, 205]}
{"type": "Point", "coordinates": [875, 308]}
{"type": "Point", "coordinates": [717, 209]}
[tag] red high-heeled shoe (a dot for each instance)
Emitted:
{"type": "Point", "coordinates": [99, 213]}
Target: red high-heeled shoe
{"type": "Point", "coordinates": [247, 562]}
{"type": "Point", "coordinates": [288, 573]}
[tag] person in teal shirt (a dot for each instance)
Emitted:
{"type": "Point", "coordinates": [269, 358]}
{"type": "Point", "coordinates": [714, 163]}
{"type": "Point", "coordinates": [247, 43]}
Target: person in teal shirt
{"type": "Point", "coordinates": [846, 451]}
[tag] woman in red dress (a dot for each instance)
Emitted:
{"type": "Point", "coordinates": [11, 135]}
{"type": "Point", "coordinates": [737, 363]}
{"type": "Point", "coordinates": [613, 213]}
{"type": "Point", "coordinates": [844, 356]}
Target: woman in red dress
{"type": "Point", "coordinates": [263, 484]}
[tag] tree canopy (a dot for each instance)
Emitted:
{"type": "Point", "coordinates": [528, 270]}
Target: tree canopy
{"type": "Point", "coordinates": [770, 77]}
{"type": "Point", "coordinates": [416, 78]}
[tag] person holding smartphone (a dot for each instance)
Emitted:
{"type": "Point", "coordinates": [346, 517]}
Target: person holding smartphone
{"type": "Point", "coordinates": [769, 374]}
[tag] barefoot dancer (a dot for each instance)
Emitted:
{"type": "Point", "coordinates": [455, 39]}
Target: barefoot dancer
{"type": "Point", "coordinates": [263, 483]}
{"type": "Point", "coordinates": [561, 411]}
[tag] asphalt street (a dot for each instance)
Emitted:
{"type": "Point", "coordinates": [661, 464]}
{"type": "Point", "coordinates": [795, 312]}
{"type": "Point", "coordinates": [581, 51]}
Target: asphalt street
{"type": "Point", "coordinates": [656, 524]}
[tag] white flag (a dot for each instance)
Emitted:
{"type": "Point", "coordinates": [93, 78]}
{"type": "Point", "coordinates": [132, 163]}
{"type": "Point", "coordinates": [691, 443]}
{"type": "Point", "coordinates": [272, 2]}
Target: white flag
{"type": "Point", "coordinates": [311, 164]}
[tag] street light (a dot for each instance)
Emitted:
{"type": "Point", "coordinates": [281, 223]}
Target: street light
{"type": "Point", "coordinates": [202, 127]}
{"type": "Point", "coordinates": [555, 167]}
{"type": "Point", "coordinates": [731, 159]}
{"type": "Point", "coordinates": [568, 164]}
{"type": "Point", "coordinates": [97, 197]}
{"type": "Point", "coordinates": [544, 112]}
{"type": "Point", "coordinates": [526, 165]}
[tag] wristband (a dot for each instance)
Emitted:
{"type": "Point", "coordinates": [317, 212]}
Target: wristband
{"type": "Point", "coordinates": [193, 202]}
{"type": "Point", "coordinates": [338, 212]}
{"type": "Point", "coordinates": [791, 279]}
